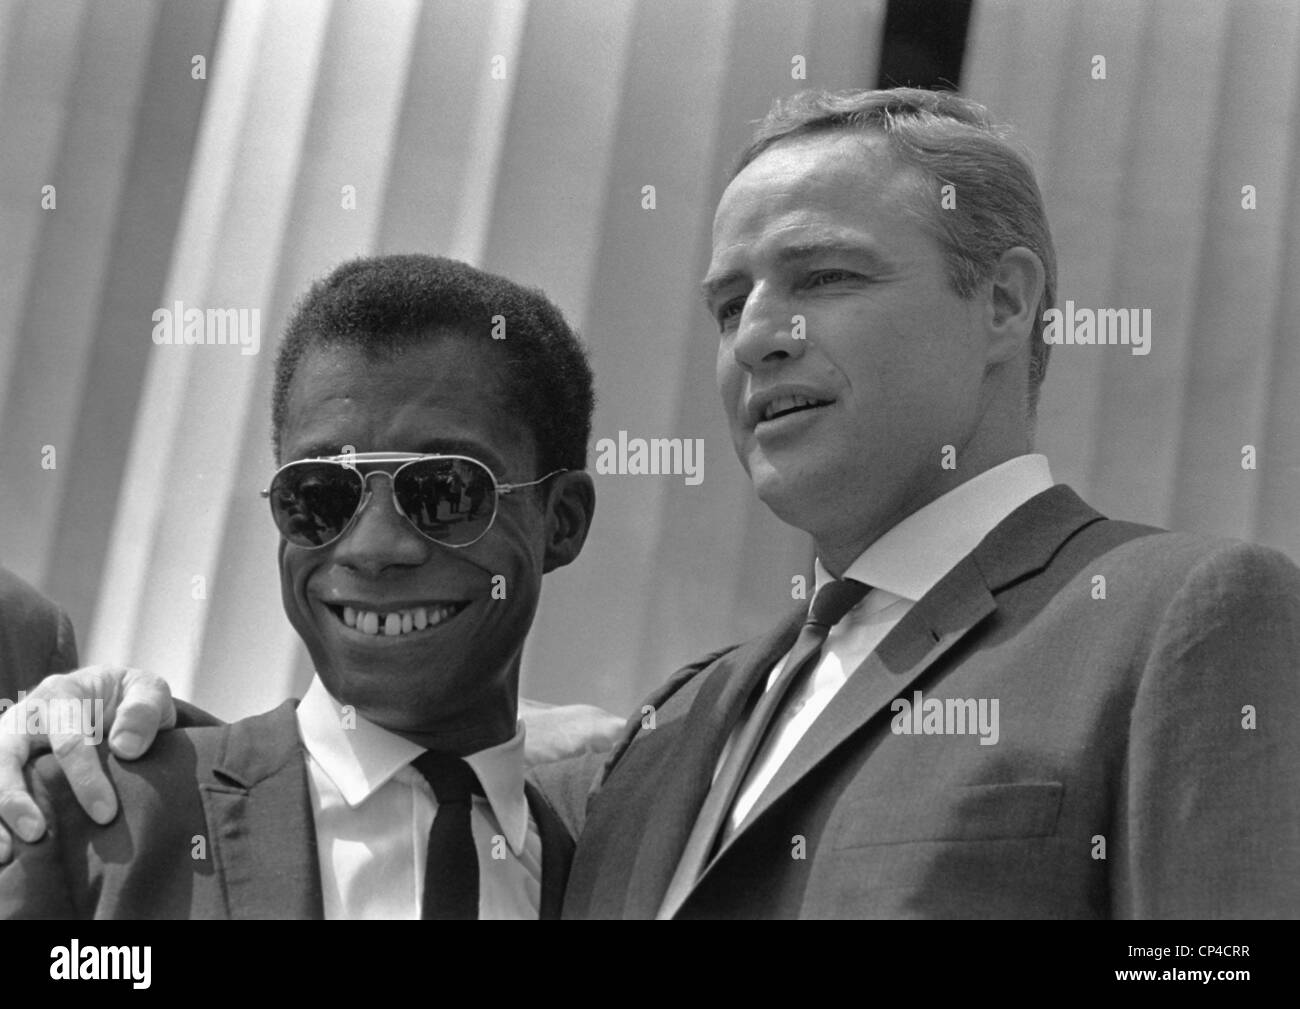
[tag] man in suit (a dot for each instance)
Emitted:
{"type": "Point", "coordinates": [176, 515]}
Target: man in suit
{"type": "Point", "coordinates": [36, 637]}
{"type": "Point", "coordinates": [387, 380]}
{"type": "Point", "coordinates": [1000, 703]}
{"type": "Point", "coordinates": [1011, 706]}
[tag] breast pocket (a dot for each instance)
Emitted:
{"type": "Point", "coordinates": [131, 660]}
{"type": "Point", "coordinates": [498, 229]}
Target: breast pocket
{"type": "Point", "coordinates": [966, 813]}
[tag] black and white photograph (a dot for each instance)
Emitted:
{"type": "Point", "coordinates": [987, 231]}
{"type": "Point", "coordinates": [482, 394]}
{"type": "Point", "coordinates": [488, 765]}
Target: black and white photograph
{"type": "Point", "coordinates": [650, 459]}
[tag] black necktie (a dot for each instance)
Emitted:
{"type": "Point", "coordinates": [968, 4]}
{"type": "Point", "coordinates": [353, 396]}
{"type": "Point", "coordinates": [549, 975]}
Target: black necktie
{"type": "Point", "coordinates": [451, 861]}
{"type": "Point", "coordinates": [832, 602]}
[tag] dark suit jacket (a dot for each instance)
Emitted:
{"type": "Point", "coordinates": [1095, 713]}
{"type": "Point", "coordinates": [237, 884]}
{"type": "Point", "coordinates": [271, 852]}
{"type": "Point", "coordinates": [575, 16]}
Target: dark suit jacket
{"type": "Point", "coordinates": [215, 822]}
{"type": "Point", "coordinates": [1148, 760]}
{"type": "Point", "coordinates": [36, 637]}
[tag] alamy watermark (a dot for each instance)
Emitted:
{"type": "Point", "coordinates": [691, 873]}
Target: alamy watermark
{"type": "Point", "coordinates": [1129, 327]}
{"type": "Point", "coordinates": [235, 327]}
{"type": "Point", "coordinates": [951, 716]}
{"type": "Point", "coordinates": [652, 457]}
{"type": "Point", "coordinates": [75, 962]}
{"type": "Point", "coordinates": [59, 716]}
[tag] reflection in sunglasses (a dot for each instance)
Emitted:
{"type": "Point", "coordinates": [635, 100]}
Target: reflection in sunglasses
{"type": "Point", "coordinates": [451, 500]}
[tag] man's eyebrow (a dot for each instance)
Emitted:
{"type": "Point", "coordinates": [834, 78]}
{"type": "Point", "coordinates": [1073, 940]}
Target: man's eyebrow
{"type": "Point", "coordinates": [318, 450]}
{"type": "Point", "coordinates": [832, 246]}
{"type": "Point", "coordinates": [860, 251]}
{"type": "Point", "coordinates": [711, 285]}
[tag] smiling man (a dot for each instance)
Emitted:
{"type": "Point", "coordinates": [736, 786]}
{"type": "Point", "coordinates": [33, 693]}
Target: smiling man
{"type": "Point", "coordinates": [1000, 703]}
{"type": "Point", "coordinates": [431, 477]}
{"type": "Point", "coordinates": [375, 607]}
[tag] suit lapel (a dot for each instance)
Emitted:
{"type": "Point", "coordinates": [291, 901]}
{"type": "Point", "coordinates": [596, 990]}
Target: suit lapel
{"type": "Point", "coordinates": [921, 638]}
{"type": "Point", "coordinates": [263, 835]}
{"type": "Point", "coordinates": [683, 778]}
{"type": "Point", "coordinates": [260, 824]}
{"type": "Point", "coordinates": [1020, 545]}
{"type": "Point", "coordinates": [557, 852]}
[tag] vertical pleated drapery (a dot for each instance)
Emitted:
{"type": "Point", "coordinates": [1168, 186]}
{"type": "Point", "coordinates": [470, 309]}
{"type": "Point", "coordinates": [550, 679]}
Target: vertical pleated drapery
{"type": "Point", "coordinates": [1149, 176]}
{"type": "Point", "coordinates": [522, 136]}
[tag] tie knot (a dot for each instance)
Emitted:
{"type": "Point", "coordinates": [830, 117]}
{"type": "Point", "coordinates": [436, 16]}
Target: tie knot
{"type": "Point", "coordinates": [834, 599]}
{"type": "Point", "coordinates": [451, 779]}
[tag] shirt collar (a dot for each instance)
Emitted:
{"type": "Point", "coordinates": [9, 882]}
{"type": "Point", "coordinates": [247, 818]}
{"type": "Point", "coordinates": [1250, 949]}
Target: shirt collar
{"type": "Point", "coordinates": [362, 758]}
{"type": "Point", "coordinates": [911, 558]}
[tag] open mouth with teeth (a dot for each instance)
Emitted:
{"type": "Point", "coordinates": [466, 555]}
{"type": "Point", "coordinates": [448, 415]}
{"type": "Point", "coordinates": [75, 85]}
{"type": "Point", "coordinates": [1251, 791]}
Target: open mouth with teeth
{"type": "Point", "coordinates": [396, 623]}
{"type": "Point", "coordinates": [786, 405]}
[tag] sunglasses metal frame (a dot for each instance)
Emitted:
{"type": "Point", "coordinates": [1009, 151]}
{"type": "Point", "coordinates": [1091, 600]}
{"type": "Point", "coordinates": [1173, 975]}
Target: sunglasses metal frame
{"type": "Point", "coordinates": [350, 460]}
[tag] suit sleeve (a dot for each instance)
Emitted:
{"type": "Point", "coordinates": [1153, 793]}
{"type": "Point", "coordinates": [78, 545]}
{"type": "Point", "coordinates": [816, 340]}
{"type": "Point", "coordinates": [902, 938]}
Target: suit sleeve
{"type": "Point", "coordinates": [35, 884]}
{"type": "Point", "coordinates": [1211, 821]}
{"type": "Point", "coordinates": [64, 656]}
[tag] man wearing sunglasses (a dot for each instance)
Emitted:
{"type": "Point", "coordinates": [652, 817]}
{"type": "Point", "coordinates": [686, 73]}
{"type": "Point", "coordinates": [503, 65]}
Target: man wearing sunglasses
{"type": "Point", "coordinates": [426, 468]}
{"type": "Point", "coordinates": [880, 352]}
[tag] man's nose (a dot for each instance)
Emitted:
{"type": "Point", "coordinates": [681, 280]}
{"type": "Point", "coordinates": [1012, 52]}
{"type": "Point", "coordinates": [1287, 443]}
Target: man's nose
{"type": "Point", "coordinates": [381, 537]}
{"type": "Point", "coordinates": [768, 331]}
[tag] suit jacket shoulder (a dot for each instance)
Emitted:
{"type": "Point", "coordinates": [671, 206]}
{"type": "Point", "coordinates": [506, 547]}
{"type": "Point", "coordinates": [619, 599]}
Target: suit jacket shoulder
{"type": "Point", "coordinates": [214, 822]}
{"type": "Point", "coordinates": [36, 637]}
{"type": "Point", "coordinates": [208, 817]}
{"type": "Point", "coordinates": [1128, 771]}
{"type": "Point", "coordinates": [570, 783]}
{"type": "Point", "coordinates": [645, 716]}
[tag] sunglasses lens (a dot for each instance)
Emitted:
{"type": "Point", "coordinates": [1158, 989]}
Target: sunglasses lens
{"type": "Point", "coordinates": [312, 503]}
{"type": "Point", "coordinates": [451, 501]}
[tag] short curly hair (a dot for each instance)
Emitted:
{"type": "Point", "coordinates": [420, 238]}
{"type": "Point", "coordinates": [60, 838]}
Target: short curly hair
{"type": "Point", "coordinates": [383, 305]}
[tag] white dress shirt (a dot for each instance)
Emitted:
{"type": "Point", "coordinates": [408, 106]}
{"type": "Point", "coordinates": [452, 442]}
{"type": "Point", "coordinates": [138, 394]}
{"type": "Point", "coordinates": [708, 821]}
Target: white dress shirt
{"type": "Point", "coordinates": [901, 566]}
{"type": "Point", "coordinates": [373, 812]}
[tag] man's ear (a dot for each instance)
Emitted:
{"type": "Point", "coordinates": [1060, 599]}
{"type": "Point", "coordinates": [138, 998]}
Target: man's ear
{"type": "Point", "coordinates": [570, 506]}
{"type": "Point", "coordinates": [1017, 288]}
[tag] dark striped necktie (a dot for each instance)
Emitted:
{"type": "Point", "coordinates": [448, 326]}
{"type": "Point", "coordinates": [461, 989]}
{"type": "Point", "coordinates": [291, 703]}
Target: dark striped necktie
{"type": "Point", "coordinates": [832, 602]}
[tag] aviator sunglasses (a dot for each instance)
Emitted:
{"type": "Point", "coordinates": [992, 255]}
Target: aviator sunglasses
{"type": "Point", "coordinates": [449, 499]}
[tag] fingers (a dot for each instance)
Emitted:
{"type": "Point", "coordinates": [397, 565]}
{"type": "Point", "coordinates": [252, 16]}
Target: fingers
{"type": "Point", "coordinates": [16, 807]}
{"type": "Point", "coordinates": [70, 712]}
{"type": "Point", "coordinates": [79, 760]}
{"type": "Point", "coordinates": [145, 707]}
{"type": "Point", "coordinates": [134, 704]}
{"type": "Point", "coordinates": [29, 824]}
